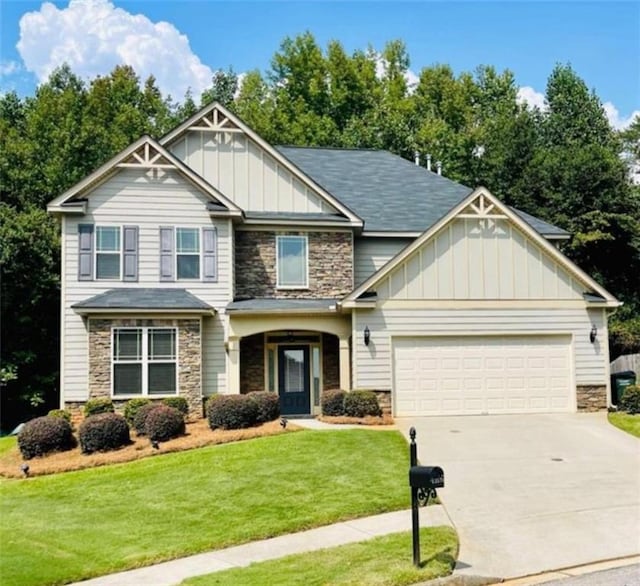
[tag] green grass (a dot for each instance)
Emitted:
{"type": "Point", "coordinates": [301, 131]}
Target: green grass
{"type": "Point", "coordinates": [6, 443]}
{"type": "Point", "coordinates": [381, 561]}
{"type": "Point", "coordinates": [626, 422]}
{"type": "Point", "coordinates": [67, 527]}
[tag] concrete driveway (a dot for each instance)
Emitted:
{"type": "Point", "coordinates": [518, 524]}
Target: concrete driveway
{"type": "Point", "coordinates": [533, 493]}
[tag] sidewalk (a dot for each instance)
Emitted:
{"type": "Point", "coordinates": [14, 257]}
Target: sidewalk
{"type": "Point", "coordinates": [173, 572]}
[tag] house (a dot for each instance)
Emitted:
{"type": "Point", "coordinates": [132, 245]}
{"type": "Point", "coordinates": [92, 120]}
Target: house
{"type": "Point", "coordinates": [213, 262]}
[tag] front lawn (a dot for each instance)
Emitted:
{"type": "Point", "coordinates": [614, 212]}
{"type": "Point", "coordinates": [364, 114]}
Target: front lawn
{"type": "Point", "coordinates": [75, 525]}
{"type": "Point", "coordinates": [626, 422]}
{"type": "Point", "coordinates": [381, 561]}
{"type": "Point", "coordinates": [7, 443]}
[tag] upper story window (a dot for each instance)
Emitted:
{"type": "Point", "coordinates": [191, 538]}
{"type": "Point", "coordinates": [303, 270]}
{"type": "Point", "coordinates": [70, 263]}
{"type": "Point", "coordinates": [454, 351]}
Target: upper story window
{"type": "Point", "coordinates": [292, 262]}
{"type": "Point", "coordinates": [188, 254]}
{"type": "Point", "coordinates": [108, 252]}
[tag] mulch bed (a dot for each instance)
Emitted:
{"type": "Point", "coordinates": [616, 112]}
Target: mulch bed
{"type": "Point", "coordinates": [385, 420]}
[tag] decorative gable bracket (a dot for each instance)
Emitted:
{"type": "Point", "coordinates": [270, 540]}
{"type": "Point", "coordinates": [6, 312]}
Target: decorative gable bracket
{"type": "Point", "coordinates": [215, 121]}
{"type": "Point", "coordinates": [481, 208]}
{"type": "Point", "coordinates": [147, 157]}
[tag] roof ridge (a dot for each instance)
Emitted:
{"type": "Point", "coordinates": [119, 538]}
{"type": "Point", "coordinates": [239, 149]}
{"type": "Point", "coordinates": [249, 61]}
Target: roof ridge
{"type": "Point", "coordinates": [332, 148]}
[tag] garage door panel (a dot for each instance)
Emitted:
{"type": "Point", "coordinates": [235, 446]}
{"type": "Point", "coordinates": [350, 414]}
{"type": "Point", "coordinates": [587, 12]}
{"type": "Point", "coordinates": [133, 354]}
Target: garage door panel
{"type": "Point", "coordinates": [475, 374]}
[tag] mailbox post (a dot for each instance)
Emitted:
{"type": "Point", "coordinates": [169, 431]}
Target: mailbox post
{"type": "Point", "coordinates": [423, 481]}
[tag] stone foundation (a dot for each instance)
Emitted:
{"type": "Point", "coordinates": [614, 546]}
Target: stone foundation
{"type": "Point", "coordinates": [189, 358]}
{"type": "Point", "coordinates": [591, 397]}
{"type": "Point", "coordinates": [252, 364]}
{"type": "Point", "coordinates": [384, 399]}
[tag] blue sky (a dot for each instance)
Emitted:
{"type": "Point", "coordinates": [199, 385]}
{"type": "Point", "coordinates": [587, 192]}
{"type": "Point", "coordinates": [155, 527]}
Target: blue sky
{"type": "Point", "coordinates": [601, 40]}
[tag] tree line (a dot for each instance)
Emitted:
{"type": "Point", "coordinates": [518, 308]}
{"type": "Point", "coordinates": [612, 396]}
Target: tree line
{"type": "Point", "coordinates": [564, 164]}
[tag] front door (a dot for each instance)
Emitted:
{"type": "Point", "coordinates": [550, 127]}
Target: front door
{"type": "Point", "coordinates": [293, 380]}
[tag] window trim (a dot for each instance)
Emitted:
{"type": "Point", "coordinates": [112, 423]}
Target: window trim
{"type": "Point", "coordinates": [120, 252]}
{"type": "Point", "coordinates": [303, 237]}
{"type": "Point", "coordinates": [144, 362]}
{"type": "Point", "coordinates": [199, 253]}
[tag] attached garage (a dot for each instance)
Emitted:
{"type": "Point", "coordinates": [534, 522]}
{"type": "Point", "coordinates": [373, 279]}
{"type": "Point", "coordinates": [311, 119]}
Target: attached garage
{"type": "Point", "coordinates": [472, 375]}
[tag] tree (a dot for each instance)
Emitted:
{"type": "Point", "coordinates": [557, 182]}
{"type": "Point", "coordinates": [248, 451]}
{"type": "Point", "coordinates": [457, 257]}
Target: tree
{"type": "Point", "coordinates": [223, 89]}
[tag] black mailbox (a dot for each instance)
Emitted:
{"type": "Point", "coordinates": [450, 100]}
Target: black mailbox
{"type": "Point", "coordinates": [426, 477]}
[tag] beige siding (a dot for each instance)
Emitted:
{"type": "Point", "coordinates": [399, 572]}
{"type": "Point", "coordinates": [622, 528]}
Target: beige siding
{"type": "Point", "coordinates": [372, 366]}
{"type": "Point", "coordinates": [147, 200]}
{"type": "Point", "coordinates": [246, 174]}
{"type": "Point", "coordinates": [468, 261]}
{"type": "Point", "coordinates": [370, 254]}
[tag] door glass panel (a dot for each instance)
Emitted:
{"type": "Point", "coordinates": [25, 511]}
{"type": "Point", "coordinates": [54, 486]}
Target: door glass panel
{"type": "Point", "coordinates": [271, 370]}
{"type": "Point", "coordinates": [293, 371]}
{"type": "Point", "coordinates": [315, 369]}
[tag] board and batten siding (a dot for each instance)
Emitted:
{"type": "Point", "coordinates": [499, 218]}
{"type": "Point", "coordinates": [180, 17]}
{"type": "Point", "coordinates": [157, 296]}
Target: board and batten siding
{"type": "Point", "coordinates": [246, 174]}
{"type": "Point", "coordinates": [465, 260]}
{"type": "Point", "coordinates": [147, 199]}
{"type": "Point", "coordinates": [372, 367]}
{"type": "Point", "coordinates": [371, 254]}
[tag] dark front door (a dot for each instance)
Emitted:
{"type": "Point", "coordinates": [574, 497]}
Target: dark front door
{"type": "Point", "coordinates": [293, 380]}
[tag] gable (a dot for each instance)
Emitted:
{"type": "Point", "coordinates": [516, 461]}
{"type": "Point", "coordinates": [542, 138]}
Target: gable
{"type": "Point", "coordinates": [254, 175]}
{"type": "Point", "coordinates": [481, 250]}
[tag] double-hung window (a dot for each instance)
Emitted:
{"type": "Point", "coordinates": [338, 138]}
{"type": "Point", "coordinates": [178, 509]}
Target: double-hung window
{"type": "Point", "coordinates": [108, 252]}
{"type": "Point", "coordinates": [292, 262]}
{"type": "Point", "coordinates": [144, 361]}
{"type": "Point", "coordinates": [188, 253]}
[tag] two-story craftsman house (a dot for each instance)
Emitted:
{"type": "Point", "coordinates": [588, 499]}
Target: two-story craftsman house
{"type": "Point", "coordinates": [213, 262]}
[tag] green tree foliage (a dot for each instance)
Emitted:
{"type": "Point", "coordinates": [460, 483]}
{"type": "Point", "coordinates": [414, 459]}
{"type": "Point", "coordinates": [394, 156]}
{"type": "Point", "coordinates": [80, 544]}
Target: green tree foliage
{"type": "Point", "coordinates": [223, 89]}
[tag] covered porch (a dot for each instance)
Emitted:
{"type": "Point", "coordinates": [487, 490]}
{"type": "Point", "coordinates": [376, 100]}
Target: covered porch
{"type": "Point", "coordinates": [297, 348]}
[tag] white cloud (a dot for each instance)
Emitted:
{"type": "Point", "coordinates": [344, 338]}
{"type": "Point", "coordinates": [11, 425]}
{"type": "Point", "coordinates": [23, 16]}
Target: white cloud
{"type": "Point", "coordinates": [9, 68]}
{"type": "Point", "coordinates": [615, 119]}
{"type": "Point", "coordinates": [381, 69]}
{"type": "Point", "coordinates": [93, 36]}
{"type": "Point", "coordinates": [527, 95]}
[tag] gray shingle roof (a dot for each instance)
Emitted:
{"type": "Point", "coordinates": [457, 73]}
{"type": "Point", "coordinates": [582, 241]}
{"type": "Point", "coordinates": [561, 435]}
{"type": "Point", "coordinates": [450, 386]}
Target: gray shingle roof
{"type": "Point", "coordinates": [144, 298]}
{"type": "Point", "coordinates": [388, 192]}
{"type": "Point", "coordinates": [541, 226]}
{"type": "Point", "coordinates": [282, 305]}
{"type": "Point", "coordinates": [294, 216]}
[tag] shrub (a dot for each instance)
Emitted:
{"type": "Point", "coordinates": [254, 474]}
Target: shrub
{"type": "Point", "coordinates": [140, 418]}
{"type": "Point", "coordinates": [96, 406]}
{"type": "Point", "coordinates": [60, 413]}
{"type": "Point", "coordinates": [333, 403]}
{"type": "Point", "coordinates": [131, 408]}
{"type": "Point", "coordinates": [232, 411]}
{"type": "Point", "coordinates": [164, 423]}
{"type": "Point", "coordinates": [103, 432]}
{"type": "Point", "coordinates": [268, 405]}
{"type": "Point", "coordinates": [361, 404]}
{"type": "Point", "coordinates": [43, 435]}
{"type": "Point", "coordinates": [630, 400]}
{"type": "Point", "coordinates": [179, 403]}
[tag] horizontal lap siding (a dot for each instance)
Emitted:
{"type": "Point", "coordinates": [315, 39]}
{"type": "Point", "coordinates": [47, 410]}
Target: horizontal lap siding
{"type": "Point", "coordinates": [373, 364]}
{"type": "Point", "coordinates": [148, 201]}
{"type": "Point", "coordinates": [370, 254]}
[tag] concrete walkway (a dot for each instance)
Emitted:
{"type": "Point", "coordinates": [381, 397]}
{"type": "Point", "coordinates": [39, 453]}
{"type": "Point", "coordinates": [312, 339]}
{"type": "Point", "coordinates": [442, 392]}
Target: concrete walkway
{"type": "Point", "coordinates": [175, 571]}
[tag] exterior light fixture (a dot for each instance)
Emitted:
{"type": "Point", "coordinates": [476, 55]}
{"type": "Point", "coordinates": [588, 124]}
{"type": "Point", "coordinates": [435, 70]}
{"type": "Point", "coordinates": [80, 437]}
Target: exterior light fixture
{"type": "Point", "coordinates": [25, 470]}
{"type": "Point", "coordinates": [367, 335]}
{"type": "Point", "coordinates": [593, 334]}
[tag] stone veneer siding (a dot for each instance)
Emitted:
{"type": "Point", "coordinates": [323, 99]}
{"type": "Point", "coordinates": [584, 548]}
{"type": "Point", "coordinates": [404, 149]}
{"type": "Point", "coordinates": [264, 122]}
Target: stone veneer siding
{"type": "Point", "coordinates": [330, 265]}
{"type": "Point", "coordinates": [252, 364]}
{"type": "Point", "coordinates": [189, 356]}
{"type": "Point", "coordinates": [591, 397]}
{"type": "Point", "coordinates": [330, 362]}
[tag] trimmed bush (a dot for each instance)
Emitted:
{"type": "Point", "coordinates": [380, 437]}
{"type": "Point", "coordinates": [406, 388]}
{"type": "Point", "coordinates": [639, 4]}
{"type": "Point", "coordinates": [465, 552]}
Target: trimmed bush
{"type": "Point", "coordinates": [164, 423]}
{"type": "Point", "coordinates": [60, 413]}
{"type": "Point", "coordinates": [232, 411]}
{"type": "Point", "coordinates": [333, 403]}
{"type": "Point", "coordinates": [361, 404]}
{"type": "Point", "coordinates": [268, 405]}
{"type": "Point", "coordinates": [44, 435]}
{"type": "Point", "coordinates": [131, 408]}
{"type": "Point", "coordinates": [96, 406]}
{"type": "Point", "coordinates": [630, 400]}
{"type": "Point", "coordinates": [140, 418]}
{"type": "Point", "coordinates": [179, 403]}
{"type": "Point", "coordinates": [103, 432]}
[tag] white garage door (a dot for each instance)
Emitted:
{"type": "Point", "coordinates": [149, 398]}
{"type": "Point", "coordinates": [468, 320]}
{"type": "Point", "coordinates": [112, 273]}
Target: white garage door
{"type": "Point", "coordinates": [482, 374]}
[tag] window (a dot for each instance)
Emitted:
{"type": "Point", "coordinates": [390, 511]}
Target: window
{"type": "Point", "coordinates": [188, 253]}
{"type": "Point", "coordinates": [144, 361]}
{"type": "Point", "coordinates": [108, 252]}
{"type": "Point", "coordinates": [292, 261]}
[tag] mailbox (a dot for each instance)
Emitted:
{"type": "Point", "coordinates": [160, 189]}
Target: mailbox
{"type": "Point", "coordinates": [427, 477]}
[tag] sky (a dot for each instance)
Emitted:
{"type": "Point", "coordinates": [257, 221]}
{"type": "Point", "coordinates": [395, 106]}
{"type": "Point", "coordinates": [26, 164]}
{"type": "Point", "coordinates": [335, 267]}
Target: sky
{"type": "Point", "coordinates": [182, 43]}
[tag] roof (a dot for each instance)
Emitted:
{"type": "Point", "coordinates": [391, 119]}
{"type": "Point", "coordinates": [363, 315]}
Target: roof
{"type": "Point", "coordinates": [145, 299]}
{"type": "Point", "coordinates": [546, 229]}
{"type": "Point", "coordinates": [264, 305]}
{"type": "Point", "coordinates": [388, 192]}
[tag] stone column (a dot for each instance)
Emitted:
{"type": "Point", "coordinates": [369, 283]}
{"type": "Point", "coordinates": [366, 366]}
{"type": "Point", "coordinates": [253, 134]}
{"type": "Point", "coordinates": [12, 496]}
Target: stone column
{"type": "Point", "coordinates": [345, 367]}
